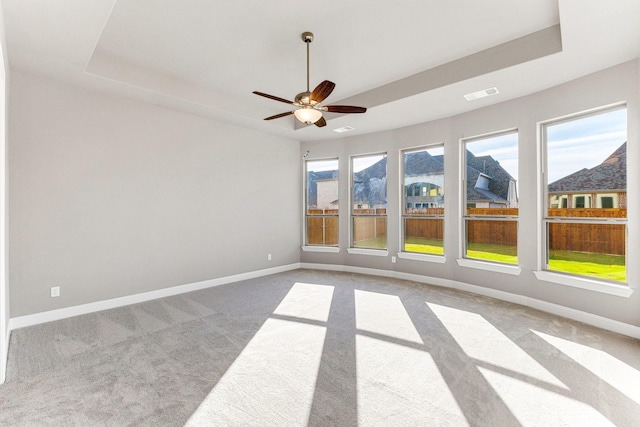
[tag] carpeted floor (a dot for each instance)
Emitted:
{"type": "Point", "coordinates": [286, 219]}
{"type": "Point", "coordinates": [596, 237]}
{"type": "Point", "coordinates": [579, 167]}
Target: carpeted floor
{"type": "Point", "coordinates": [321, 348]}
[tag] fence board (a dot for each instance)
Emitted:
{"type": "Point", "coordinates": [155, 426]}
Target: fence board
{"type": "Point", "coordinates": [589, 212]}
{"type": "Point", "coordinates": [594, 238]}
{"type": "Point", "coordinates": [322, 230]}
{"type": "Point", "coordinates": [494, 232]}
{"type": "Point", "coordinates": [430, 228]}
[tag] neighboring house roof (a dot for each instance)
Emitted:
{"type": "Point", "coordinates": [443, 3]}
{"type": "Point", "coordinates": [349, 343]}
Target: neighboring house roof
{"type": "Point", "coordinates": [498, 190]}
{"type": "Point", "coordinates": [608, 175]}
{"type": "Point", "coordinates": [370, 183]}
{"type": "Point", "coordinates": [422, 163]}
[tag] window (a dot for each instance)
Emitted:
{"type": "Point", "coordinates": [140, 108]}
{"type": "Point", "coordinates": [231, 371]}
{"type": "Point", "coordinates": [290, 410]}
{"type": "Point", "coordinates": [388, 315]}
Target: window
{"type": "Point", "coordinates": [322, 202]}
{"type": "Point", "coordinates": [369, 201]}
{"type": "Point", "coordinates": [491, 198]}
{"type": "Point", "coordinates": [585, 157]}
{"type": "Point", "coordinates": [606, 202]}
{"type": "Point", "coordinates": [423, 217]}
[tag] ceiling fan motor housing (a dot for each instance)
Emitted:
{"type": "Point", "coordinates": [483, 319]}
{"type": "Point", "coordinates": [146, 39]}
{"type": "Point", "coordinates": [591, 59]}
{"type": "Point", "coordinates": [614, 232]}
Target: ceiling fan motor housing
{"type": "Point", "coordinates": [304, 98]}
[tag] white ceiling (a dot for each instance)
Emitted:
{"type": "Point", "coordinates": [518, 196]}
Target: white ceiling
{"type": "Point", "coordinates": [408, 62]}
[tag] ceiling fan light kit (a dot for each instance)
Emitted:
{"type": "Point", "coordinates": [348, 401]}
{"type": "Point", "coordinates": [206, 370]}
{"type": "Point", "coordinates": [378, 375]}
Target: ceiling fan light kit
{"type": "Point", "coordinates": [307, 115]}
{"type": "Point", "coordinates": [308, 109]}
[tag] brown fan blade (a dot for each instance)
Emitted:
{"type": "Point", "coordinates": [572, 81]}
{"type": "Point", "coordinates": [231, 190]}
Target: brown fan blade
{"type": "Point", "coordinates": [320, 122]}
{"type": "Point", "coordinates": [277, 116]}
{"type": "Point", "coordinates": [275, 98]}
{"type": "Point", "coordinates": [344, 109]}
{"type": "Point", "coordinates": [321, 91]}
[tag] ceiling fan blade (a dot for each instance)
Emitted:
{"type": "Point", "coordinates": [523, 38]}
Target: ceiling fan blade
{"type": "Point", "coordinates": [321, 91]}
{"type": "Point", "coordinates": [275, 98]}
{"type": "Point", "coordinates": [277, 116]}
{"type": "Point", "coordinates": [321, 122]}
{"type": "Point", "coordinates": [344, 109]}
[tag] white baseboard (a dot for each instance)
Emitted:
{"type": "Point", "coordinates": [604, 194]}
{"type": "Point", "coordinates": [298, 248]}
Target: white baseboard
{"type": "Point", "coordinates": [559, 310]}
{"type": "Point", "coordinates": [63, 313]}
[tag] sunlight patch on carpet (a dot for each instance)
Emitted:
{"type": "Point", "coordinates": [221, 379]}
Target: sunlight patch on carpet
{"type": "Point", "coordinates": [385, 315]}
{"type": "Point", "coordinates": [307, 301]}
{"type": "Point", "coordinates": [484, 342]}
{"type": "Point", "coordinates": [536, 406]}
{"type": "Point", "coordinates": [272, 381]}
{"type": "Point", "coordinates": [399, 385]}
{"type": "Point", "coordinates": [614, 371]}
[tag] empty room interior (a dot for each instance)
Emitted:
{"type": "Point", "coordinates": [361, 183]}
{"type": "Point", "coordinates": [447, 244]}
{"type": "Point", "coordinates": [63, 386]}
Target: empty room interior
{"type": "Point", "coordinates": [327, 214]}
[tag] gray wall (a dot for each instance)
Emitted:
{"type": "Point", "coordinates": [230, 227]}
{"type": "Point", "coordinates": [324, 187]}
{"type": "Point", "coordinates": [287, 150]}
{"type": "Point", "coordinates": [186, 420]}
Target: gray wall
{"type": "Point", "coordinates": [4, 288]}
{"type": "Point", "coordinates": [110, 197]}
{"type": "Point", "coordinates": [610, 86]}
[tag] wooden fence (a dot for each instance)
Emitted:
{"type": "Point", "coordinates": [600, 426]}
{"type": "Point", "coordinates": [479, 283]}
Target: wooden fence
{"type": "Point", "coordinates": [322, 230]}
{"type": "Point", "coordinates": [429, 228]}
{"type": "Point", "coordinates": [595, 238]}
{"type": "Point", "coordinates": [369, 228]}
{"type": "Point", "coordinates": [493, 231]}
{"type": "Point", "coordinates": [589, 212]}
{"type": "Point", "coordinates": [369, 224]}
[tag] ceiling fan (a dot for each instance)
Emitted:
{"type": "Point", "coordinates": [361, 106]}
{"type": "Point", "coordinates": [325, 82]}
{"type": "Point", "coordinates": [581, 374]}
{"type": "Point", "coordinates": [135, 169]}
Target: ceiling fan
{"type": "Point", "coordinates": [308, 106]}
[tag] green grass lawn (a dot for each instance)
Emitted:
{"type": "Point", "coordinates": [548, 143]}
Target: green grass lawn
{"type": "Point", "coordinates": [491, 252]}
{"type": "Point", "coordinates": [424, 245]}
{"type": "Point", "coordinates": [379, 243]}
{"type": "Point", "coordinates": [600, 266]}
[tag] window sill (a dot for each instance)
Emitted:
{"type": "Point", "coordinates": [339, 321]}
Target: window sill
{"type": "Point", "coordinates": [584, 283]}
{"type": "Point", "coordinates": [324, 249]}
{"type": "Point", "coordinates": [489, 266]}
{"type": "Point", "coordinates": [422, 257]}
{"type": "Point", "coordinates": [371, 252]}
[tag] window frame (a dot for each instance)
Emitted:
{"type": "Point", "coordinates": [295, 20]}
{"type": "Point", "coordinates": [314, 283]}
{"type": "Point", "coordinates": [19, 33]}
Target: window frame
{"type": "Point", "coordinates": [305, 209]}
{"type": "Point", "coordinates": [543, 272]}
{"type": "Point", "coordinates": [351, 249]}
{"type": "Point", "coordinates": [465, 218]}
{"type": "Point", "coordinates": [404, 189]}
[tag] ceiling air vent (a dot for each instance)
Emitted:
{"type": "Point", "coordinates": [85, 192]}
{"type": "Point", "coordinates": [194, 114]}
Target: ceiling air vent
{"type": "Point", "coordinates": [343, 129]}
{"type": "Point", "coordinates": [481, 93]}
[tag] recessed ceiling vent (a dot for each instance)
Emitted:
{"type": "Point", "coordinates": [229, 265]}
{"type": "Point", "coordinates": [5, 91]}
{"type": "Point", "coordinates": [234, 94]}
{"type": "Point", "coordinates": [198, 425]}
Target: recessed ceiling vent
{"type": "Point", "coordinates": [481, 93]}
{"type": "Point", "coordinates": [344, 129]}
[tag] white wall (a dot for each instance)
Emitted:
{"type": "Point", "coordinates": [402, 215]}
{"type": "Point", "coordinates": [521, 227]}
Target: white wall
{"type": "Point", "coordinates": [110, 197]}
{"type": "Point", "coordinates": [4, 289]}
{"type": "Point", "coordinates": [610, 86]}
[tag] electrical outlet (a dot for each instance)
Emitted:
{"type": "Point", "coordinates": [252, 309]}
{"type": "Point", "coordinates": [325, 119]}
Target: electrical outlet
{"type": "Point", "coordinates": [393, 259]}
{"type": "Point", "coordinates": [55, 291]}
{"type": "Point", "coordinates": [268, 257]}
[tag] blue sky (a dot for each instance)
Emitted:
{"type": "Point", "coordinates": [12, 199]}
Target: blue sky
{"type": "Point", "coordinates": [322, 165]}
{"type": "Point", "coordinates": [584, 143]}
{"type": "Point", "coordinates": [571, 145]}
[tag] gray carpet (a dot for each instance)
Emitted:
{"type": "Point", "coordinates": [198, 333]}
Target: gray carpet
{"type": "Point", "coordinates": [321, 348]}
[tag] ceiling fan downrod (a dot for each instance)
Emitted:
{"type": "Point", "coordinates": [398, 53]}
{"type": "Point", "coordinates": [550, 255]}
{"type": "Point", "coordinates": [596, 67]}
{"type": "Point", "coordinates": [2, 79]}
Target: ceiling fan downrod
{"type": "Point", "coordinates": [307, 37]}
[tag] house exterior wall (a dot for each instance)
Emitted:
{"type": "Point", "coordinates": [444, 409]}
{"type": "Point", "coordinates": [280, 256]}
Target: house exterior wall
{"type": "Point", "coordinates": [327, 193]}
{"type": "Point", "coordinates": [619, 198]}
